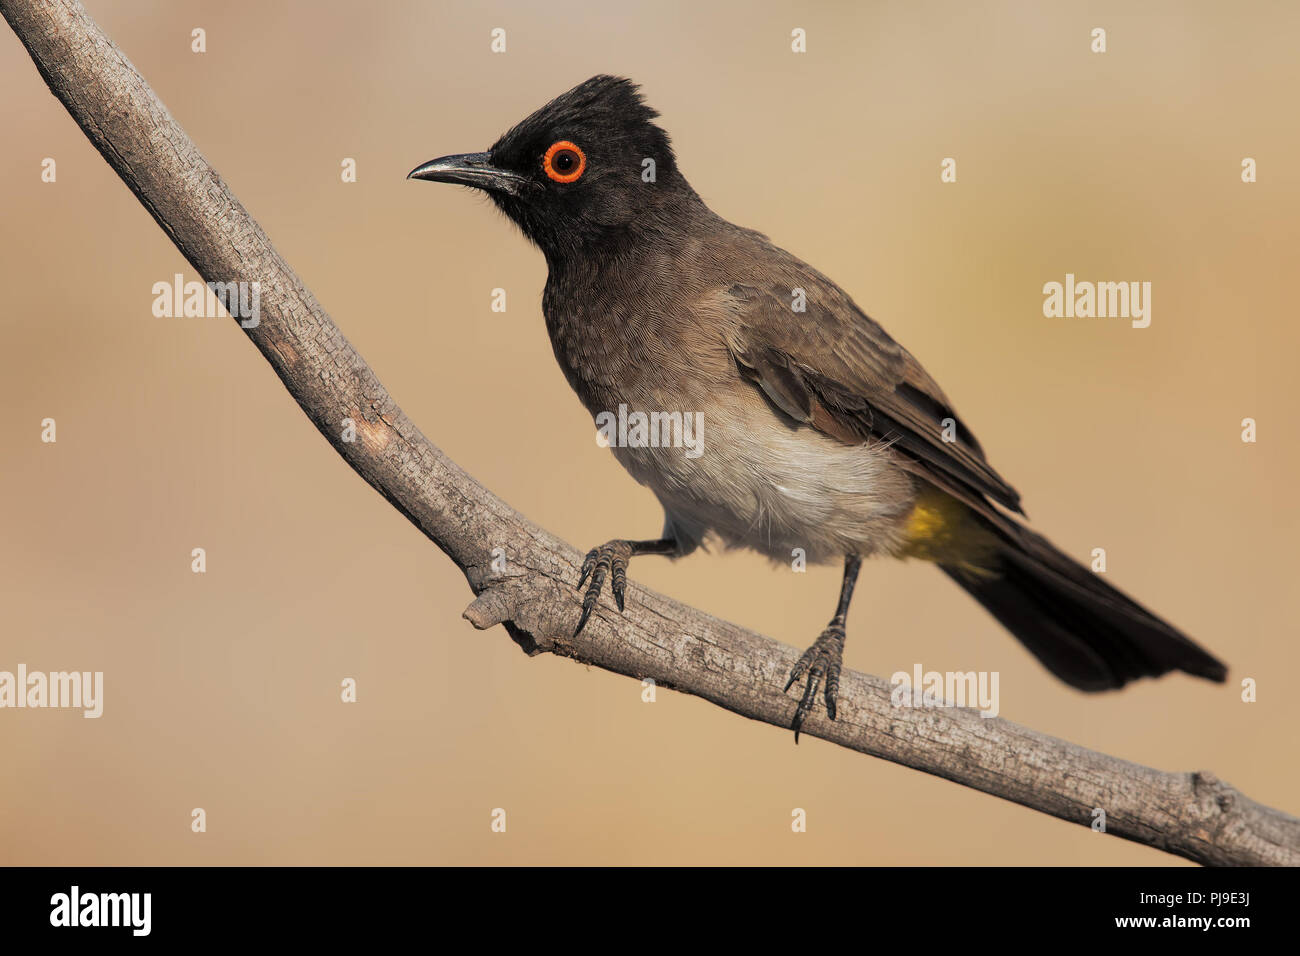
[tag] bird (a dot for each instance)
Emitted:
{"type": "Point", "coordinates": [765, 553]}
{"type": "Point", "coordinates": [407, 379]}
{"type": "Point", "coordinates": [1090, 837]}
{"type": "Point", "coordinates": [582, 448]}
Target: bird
{"type": "Point", "coordinates": [818, 434]}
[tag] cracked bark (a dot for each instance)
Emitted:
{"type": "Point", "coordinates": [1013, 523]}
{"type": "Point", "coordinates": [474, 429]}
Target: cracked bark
{"type": "Point", "coordinates": [1193, 815]}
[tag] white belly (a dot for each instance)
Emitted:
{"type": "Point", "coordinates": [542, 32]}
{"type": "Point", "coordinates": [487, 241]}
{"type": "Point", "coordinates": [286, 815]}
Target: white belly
{"type": "Point", "coordinates": [761, 485]}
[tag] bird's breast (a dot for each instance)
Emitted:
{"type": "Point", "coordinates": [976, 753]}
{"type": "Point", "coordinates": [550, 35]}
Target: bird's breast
{"type": "Point", "coordinates": [633, 338]}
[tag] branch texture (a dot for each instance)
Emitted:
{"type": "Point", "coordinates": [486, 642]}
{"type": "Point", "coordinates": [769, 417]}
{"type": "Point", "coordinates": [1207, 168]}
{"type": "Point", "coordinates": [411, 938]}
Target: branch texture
{"type": "Point", "coordinates": [1193, 815]}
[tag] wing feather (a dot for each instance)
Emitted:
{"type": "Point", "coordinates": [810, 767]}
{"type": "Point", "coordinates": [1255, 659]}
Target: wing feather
{"type": "Point", "coordinates": [833, 368]}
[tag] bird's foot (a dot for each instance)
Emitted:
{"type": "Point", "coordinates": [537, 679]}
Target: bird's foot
{"type": "Point", "coordinates": [821, 661]}
{"type": "Point", "coordinates": [610, 559]}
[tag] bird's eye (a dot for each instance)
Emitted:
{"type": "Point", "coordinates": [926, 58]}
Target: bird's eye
{"type": "Point", "coordinates": [564, 162]}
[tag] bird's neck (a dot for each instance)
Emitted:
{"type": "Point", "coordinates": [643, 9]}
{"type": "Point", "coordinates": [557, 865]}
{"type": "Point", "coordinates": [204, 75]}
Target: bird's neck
{"type": "Point", "coordinates": [664, 223]}
{"type": "Point", "coordinates": [608, 311]}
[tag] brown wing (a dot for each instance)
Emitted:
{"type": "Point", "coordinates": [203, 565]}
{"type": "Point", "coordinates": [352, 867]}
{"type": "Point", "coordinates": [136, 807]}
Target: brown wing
{"type": "Point", "coordinates": [833, 368]}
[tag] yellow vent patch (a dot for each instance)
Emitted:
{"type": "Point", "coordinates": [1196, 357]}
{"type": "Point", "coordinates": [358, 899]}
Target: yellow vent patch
{"type": "Point", "coordinates": [941, 529]}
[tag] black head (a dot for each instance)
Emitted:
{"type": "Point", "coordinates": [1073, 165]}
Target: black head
{"type": "Point", "coordinates": [587, 168]}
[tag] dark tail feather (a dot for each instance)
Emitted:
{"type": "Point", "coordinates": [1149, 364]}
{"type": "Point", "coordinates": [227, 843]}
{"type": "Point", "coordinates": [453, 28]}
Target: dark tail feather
{"type": "Point", "coordinates": [1084, 631]}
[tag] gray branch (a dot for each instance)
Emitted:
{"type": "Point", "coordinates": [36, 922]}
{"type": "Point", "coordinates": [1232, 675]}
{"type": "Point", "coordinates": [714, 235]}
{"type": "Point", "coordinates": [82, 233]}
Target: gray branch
{"type": "Point", "coordinates": [1193, 815]}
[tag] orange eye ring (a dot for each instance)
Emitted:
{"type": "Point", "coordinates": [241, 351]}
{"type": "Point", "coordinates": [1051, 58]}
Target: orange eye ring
{"type": "Point", "coordinates": [564, 162]}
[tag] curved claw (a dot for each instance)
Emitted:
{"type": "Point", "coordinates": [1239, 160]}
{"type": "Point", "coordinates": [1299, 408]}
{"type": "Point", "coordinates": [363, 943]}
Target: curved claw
{"type": "Point", "coordinates": [618, 581]}
{"type": "Point", "coordinates": [582, 621]}
{"type": "Point", "coordinates": [820, 662]}
{"type": "Point", "coordinates": [588, 563]}
{"type": "Point", "coordinates": [806, 703]}
{"type": "Point", "coordinates": [609, 560]}
{"type": "Point", "coordinates": [796, 672]}
{"type": "Point", "coordinates": [832, 692]}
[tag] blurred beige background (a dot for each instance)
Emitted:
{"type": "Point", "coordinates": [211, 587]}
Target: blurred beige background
{"type": "Point", "coordinates": [222, 689]}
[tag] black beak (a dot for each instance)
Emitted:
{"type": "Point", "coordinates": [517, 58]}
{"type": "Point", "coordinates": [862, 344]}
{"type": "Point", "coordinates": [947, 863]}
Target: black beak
{"type": "Point", "coordinates": [471, 169]}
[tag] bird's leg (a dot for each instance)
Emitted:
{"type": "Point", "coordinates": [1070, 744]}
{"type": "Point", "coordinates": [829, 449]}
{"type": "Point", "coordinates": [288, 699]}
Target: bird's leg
{"type": "Point", "coordinates": [611, 559]}
{"type": "Point", "coordinates": [824, 658]}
